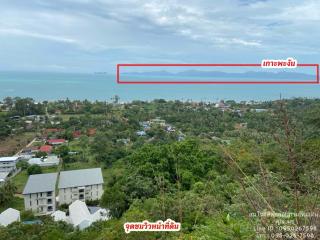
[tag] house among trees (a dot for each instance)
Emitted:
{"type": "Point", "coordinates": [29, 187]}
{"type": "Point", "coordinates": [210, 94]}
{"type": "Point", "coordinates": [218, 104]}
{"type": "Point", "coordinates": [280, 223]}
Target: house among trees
{"type": "Point", "coordinates": [55, 142]}
{"type": "Point", "coordinates": [46, 148]}
{"type": "Point", "coordinates": [259, 110]}
{"type": "Point", "coordinates": [52, 130]}
{"type": "Point", "coordinates": [222, 105]}
{"type": "Point", "coordinates": [28, 152]}
{"type": "Point", "coordinates": [145, 125]}
{"type": "Point", "coordinates": [51, 160]}
{"type": "Point", "coordinates": [76, 134]}
{"type": "Point", "coordinates": [239, 126]}
{"type": "Point", "coordinates": [170, 128]}
{"type": "Point", "coordinates": [141, 133]}
{"type": "Point", "coordinates": [49, 132]}
{"type": "Point", "coordinates": [39, 193]}
{"type": "Point", "coordinates": [158, 121]}
{"type": "Point", "coordinates": [84, 184]}
{"type": "Point", "coordinates": [91, 132]}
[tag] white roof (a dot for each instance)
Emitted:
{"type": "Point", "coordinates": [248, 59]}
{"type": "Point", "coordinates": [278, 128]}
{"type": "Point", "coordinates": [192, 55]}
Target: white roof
{"type": "Point", "coordinates": [37, 161]}
{"type": "Point", "coordinates": [9, 216]}
{"type": "Point", "coordinates": [3, 175]}
{"type": "Point", "coordinates": [78, 213]}
{"type": "Point", "coordinates": [49, 161]}
{"type": "Point", "coordinates": [101, 214]}
{"type": "Point", "coordinates": [84, 224]}
{"type": "Point", "coordinates": [82, 177]}
{"type": "Point", "coordinates": [8, 159]}
{"type": "Point", "coordinates": [52, 159]}
{"type": "Point", "coordinates": [59, 216]}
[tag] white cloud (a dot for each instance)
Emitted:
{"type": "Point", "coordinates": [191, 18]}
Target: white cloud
{"type": "Point", "coordinates": [306, 11]}
{"type": "Point", "coordinates": [190, 30]}
{"type": "Point", "coordinates": [19, 32]}
{"type": "Point", "coordinates": [244, 42]}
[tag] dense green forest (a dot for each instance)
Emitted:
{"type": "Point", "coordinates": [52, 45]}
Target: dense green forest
{"type": "Point", "coordinates": [219, 169]}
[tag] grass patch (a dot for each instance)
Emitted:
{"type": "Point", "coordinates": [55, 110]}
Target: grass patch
{"type": "Point", "coordinates": [21, 178]}
{"type": "Point", "coordinates": [66, 117]}
{"type": "Point", "coordinates": [16, 203]}
{"type": "Point", "coordinates": [80, 165]}
{"type": "Point", "coordinates": [50, 169]}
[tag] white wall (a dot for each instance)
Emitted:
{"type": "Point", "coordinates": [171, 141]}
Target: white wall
{"type": "Point", "coordinates": [69, 195]}
{"type": "Point", "coordinates": [38, 202]}
{"type": "Point", "coordinates": [7, 166]}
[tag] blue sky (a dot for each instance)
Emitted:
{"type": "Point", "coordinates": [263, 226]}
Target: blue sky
{"type": "Point", "coordinates": [95, 35]}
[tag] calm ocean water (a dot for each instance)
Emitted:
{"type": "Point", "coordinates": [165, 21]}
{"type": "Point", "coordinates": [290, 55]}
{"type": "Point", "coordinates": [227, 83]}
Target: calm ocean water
{"type": "Point", "coordinates": [53, 86]}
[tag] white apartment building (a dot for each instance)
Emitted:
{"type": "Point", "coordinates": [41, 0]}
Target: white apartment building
{"type": "Point", "coordinates": [39, 193]}
{"type": "Point", "coordinates": [84, 184]}
{"type": "Point", "coordinates": [8, 164]}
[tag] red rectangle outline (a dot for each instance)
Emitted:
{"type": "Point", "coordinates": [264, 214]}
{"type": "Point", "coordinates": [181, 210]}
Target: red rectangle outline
{"type": "Point", "coordinates": [316, 81]}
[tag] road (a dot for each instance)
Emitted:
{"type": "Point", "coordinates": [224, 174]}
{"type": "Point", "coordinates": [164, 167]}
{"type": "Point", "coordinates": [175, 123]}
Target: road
{"type": "Point", "coordinates": [28, 145]}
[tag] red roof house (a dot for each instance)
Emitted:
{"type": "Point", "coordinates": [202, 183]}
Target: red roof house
{"type": "Point", "coordinates": [48, 131]}
{"type": "Point", "coordinates": [52, 130]}
{"type": "Point", "coordinates": [91, 131]}
{"type": "Point", "coordinates": [56, 141]}
{"type": "Point", "coordinates": [46, 149]}
{"type": "Point", "coordinates": [76, 134]}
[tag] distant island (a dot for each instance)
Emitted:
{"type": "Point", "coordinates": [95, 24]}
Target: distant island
{"type": "Point", "coordinates": [220, 74]}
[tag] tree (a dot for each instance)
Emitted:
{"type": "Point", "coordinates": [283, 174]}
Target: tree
{"type": "Point", "coordinates": [187, 179]}
{"type": "Point", "coordinates": [115, 201]}
{"type": "Point", "coordinates": [62, 151]}
{"type": "Point", "coordinates": [4, 127]}
{"type": "Point", "coordinates": [34, 169]}
{"type": "Point", "coordinates": [41, 154]}
{"type": "Point", "coordinates": [7, 191]}
{"type": "Point", "coordinates": [8, 101]}
{"type": "Point", "coordinates": [26, 106]}
{"type": "Point", "coordinates": [23, 165]}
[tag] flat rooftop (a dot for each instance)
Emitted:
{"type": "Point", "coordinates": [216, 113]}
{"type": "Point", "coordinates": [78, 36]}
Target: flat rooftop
{"type": "Point", "coordinates": [8, 159]}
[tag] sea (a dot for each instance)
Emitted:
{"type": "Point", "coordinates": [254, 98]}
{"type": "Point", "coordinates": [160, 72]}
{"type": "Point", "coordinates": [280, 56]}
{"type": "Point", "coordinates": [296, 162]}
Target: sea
{"type": "Point", "coordinates": [103, 87]}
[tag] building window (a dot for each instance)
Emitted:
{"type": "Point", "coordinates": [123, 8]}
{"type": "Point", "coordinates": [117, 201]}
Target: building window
{"type": "Point", "coordinates": [81, 190]}
{"type": "Point", "coordinates": [50, 208]}
{"type": "Point", "coordinates": [49, 194]}
{"type": "Point", "coordinates": [81, 196]}
{"type": "Point", "coordinates": [49, 201]}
